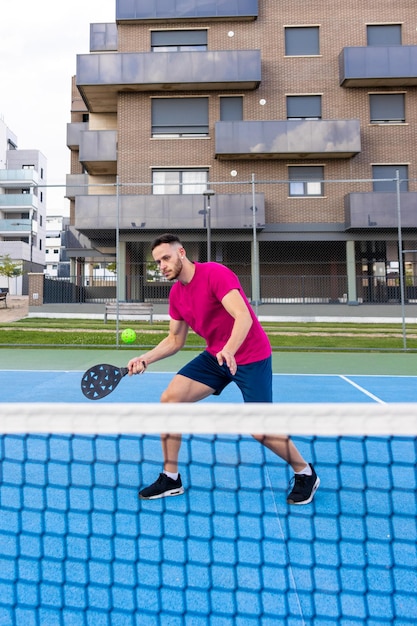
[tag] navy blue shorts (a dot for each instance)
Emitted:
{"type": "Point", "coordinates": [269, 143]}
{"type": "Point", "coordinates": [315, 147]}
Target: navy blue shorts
{"type": "Point", "coordinates": [254, 380]}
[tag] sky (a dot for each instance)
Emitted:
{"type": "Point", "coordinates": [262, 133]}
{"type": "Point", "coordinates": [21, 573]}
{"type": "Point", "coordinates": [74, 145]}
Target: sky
{"type": "Point", "coordinates": [39, 42]}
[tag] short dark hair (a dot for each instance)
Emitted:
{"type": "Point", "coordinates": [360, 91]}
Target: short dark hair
{"type": "Point", "coordinates": [166, 238]}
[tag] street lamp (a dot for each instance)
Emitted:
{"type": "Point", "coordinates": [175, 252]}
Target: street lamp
{"type": "Point", "coordinates": [207, 211]}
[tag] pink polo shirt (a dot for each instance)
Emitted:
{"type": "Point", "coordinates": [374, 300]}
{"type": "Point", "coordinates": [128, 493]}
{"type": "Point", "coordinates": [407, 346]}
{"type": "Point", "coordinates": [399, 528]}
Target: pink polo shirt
{"type": "Point", "coordinates": [199, 305]}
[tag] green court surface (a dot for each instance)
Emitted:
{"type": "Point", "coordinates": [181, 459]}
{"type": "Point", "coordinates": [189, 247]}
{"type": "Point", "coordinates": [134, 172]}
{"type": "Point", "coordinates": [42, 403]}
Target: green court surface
{"type": "Point", "coordinates": [392, 364]}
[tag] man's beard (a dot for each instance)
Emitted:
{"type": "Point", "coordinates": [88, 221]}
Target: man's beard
{"type": "Point", "coordinates": [176, 270]}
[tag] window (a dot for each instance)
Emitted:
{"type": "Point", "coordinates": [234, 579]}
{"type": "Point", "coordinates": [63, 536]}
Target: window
{"type": "Point", "coordinates": [302, 40]}
{"type": "Point", "coordinates": [186, 181]}
{"type": "Point", "coordinates": [28, 167]}
{"type": "Point", "coordinates": [389, 172]}
{"type": "Point", "coordinates": [231, 108]}
{"type": "Point", "coordinates": [180, 117]}
{"type": "Point", "coordinates": [387, 108]}
{"type": "Point", "coordinates": [178, 40]}
{"type": "Point", "coordinates": [383, 35]}
{"type": "Point", "coordinates": [303, 107]}
{"type": "Point", "coordinates": [306, 180]}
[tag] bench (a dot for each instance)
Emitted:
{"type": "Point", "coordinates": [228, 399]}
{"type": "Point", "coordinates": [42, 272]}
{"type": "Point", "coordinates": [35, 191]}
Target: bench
{"type": "Point", "coordinates": [129, 309]}
{"type": "Point", "coordinates": [3, 296]}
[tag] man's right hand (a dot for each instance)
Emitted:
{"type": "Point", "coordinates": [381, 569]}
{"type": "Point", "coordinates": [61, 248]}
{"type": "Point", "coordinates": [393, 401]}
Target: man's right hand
{"type": "Point", "coordinates": [137, 366]}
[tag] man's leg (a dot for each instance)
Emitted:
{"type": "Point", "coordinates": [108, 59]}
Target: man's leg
{"type": "Point", "coordinates": [255, 383]}
{"type": "Point", "coordinates": [180, 389]}
{"type": "Point", "coordinates": [305, 482]}
{"type": "Point", "coordinates": [282, 446]}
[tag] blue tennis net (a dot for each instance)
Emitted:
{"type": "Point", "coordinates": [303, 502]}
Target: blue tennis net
{"type": "Point", "coordinates": [77, 546]}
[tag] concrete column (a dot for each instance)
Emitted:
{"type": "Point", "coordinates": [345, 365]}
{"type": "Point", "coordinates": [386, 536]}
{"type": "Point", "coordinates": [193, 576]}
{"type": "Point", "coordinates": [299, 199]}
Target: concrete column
{"type": "Point", "coordinates": [351, 273]}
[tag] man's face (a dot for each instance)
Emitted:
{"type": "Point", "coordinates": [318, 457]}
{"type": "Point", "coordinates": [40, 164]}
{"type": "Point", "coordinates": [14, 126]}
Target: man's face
{"type": "Point", "coordinates": [169, 259]}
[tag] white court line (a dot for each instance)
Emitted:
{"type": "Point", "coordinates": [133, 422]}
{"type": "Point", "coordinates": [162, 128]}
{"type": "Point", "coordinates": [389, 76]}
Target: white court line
{"type": "Point", "coordinates": [365, 391]}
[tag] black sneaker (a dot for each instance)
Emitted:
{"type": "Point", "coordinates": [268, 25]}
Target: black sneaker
{"type": "Point", "coordinates": [303, 488]}
{"type": "Point", "coordinates": [162, 487]}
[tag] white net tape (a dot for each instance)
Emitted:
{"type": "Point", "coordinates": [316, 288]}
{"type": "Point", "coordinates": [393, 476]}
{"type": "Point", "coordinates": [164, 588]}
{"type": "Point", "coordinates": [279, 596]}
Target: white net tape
{"type": "Point", "coordinates": [207, 418]}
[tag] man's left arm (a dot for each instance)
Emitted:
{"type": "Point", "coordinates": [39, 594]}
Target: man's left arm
{"type": "Point", "coordinates": [237, 308]}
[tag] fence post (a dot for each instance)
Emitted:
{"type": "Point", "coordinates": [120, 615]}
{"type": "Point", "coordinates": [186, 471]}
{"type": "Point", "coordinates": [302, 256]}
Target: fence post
{"type": "Point", "coordinates": [256, 296]}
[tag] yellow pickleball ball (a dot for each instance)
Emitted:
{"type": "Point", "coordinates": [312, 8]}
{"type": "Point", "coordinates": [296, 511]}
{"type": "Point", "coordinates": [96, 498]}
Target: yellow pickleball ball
{"type": "Point", "coordinates": [128, 335]}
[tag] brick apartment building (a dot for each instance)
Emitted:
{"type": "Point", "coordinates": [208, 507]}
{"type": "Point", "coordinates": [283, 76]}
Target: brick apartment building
{"type": "Point", "coordinates": [307, 111]}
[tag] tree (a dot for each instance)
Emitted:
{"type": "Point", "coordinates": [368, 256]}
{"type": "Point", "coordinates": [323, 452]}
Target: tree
{"type": "Point", "coordinates": [9, 268]}
{"type": "Point", "coordinates": [111, 267]}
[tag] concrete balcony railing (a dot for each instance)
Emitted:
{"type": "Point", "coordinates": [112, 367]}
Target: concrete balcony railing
{"type": "Point", "coordinates": [74, 131]}
{"type": "Point", "coordinates": [98, 151]}
{"type": "Point", "coordinates": [100, 77]}
{"type": "Point", "coordinates": [376, 210]}
{"type": "Point", "coordinates": [332, 139]}
{"type": "Point", "coordinates": [103, 37]}
{"type": "Point", "coordinates": [76, 185]}
{"type": "Point", "coordinates": [138, 10]}
{"type": "Point", "coordinates": [184, 212]}
{"type": "Point", "coordinates": [378, 66]}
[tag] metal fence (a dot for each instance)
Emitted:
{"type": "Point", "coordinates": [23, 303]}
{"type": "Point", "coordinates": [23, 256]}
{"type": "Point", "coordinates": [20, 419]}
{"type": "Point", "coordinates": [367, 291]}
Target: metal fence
{"type": "Point", "coordinates": [274, 289]}
{"type": "Point", "coordinates": [355, 243]}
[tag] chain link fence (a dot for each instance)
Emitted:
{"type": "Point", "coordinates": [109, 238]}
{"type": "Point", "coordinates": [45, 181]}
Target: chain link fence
{"type": "Point", "coordinates": [331, 244]}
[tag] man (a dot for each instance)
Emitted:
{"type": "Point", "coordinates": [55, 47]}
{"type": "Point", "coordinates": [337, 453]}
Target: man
{"type": "Point", "coordinates": [208, 298]}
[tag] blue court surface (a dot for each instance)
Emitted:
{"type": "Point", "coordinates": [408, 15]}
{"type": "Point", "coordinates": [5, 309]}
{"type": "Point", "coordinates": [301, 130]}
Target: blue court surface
{"type": "Point", "coordinates": [78, 548]}
{"type": "Point", "coordinates": [65, 386]}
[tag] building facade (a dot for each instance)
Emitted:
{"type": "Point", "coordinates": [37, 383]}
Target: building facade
{"type": "Point", "coordinates": [22, 208]}
{"type": "Point", "coordinates": [300, 121]}
{"type": "Point", "coordinates": [56, 259]}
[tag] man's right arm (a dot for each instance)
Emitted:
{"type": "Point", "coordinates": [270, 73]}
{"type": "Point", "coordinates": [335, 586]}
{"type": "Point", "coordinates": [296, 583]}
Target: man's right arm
{"type": "Point", "coordinates": [170, 345]}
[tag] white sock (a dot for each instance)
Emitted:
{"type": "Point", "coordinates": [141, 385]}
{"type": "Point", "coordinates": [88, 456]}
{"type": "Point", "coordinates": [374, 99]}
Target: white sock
{"type": "Point", "coordinates": [307, 471]}
{"type": "Point", "coordinates": [173, 475]}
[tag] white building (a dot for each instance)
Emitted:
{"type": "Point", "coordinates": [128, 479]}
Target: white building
{"type": "Point", "coordinates": [22, 208]}
{"type": "Point", "coordinates": [55, 253]}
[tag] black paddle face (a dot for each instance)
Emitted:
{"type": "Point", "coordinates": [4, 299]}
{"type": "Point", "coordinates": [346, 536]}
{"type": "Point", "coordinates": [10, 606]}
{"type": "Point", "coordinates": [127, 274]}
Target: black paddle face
{"type": "Point", "coordinates": [100, 380]}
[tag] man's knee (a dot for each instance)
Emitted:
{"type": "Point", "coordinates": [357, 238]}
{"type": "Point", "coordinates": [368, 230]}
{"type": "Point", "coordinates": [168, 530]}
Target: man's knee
{"type": "Point", "coordinates": [169, 395]}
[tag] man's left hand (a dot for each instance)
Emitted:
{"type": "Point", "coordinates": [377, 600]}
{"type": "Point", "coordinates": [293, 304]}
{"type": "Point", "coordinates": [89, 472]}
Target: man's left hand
{"type": "Point", "coordinates": [227, 357]}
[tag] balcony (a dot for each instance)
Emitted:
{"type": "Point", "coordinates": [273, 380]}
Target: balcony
{"type": "Point", "coordinates": [174, 10]}
{"type": "Point", "coordinates": [375, 210]}
{"type": "Point", "coordinates": [15, 226]}
{"type": "Point", "coordinates": [100, 77]}
{"type": "Point", "coordinates": [297, 139]}
{"type": "Point", "coordinates": [76, 185]}
{"type": "Point", "coordinates": [74, 131]}
{"type": "Point", "coordinates": [378, 66]}
{"type": "Point", "coordinates": [10, 179]}
{"type": "Point", "coordinates": [103, 37]}
{"type": "Point", "coordinates": [18, 201]}
{"type": "Point", "coordinates": [98, 151]}
{"type": "Point", "coordinates": [183, 212]}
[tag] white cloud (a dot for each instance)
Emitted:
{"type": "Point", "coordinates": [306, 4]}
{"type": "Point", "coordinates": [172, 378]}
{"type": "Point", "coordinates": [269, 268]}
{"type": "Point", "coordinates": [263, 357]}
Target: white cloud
{"type": "Point", "coordinates": [39, 42]}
